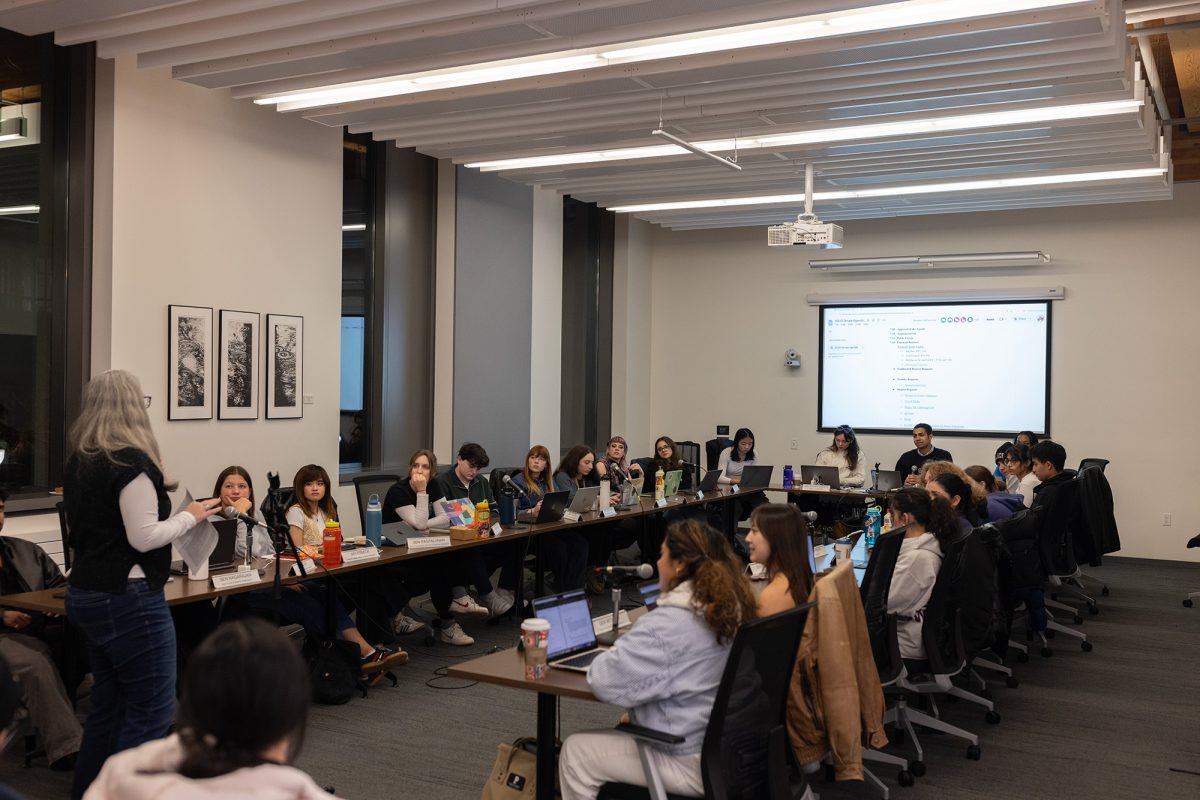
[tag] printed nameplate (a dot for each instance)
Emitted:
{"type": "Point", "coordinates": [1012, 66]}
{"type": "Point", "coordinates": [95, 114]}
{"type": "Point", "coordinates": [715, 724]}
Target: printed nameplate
{"type": "Point", "coordinates": [231, 579]}
{"type": "Point", "coordinates": [360, 554]}
{"type": "Point", "coordinates": [735, 488]}
{"type": "Point", "coordinates": [427, 542]}
{"type": "Point", "coordinates": [309, 566]}
{"type": "Point", "coordinates": [608, 512]}
{"type": "Point", "coordinates": [570, 516]}
{"type": "Point", "coordinates": [817, 487]}
{"type": "Point", "coordinates": [699, 495]}
{"type": "Point", "coordinates": [660, 502]}
{"type": "Point", "coordinates": [497, 529]}
{"type": "Point", "coordinates": [603, 623]}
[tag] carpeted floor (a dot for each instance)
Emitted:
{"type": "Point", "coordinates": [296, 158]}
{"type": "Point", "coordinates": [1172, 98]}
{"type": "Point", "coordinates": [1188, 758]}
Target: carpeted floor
{"type": "Point", "coordinates": [1110, 723]}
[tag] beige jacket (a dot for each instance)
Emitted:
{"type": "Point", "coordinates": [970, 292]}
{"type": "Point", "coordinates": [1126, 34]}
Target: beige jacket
{"type": "Point", "coordinates": [835, 694]}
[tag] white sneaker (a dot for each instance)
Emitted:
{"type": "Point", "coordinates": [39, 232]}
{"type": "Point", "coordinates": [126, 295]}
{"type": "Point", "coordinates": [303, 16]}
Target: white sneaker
{"type": "Point", "coordinates": [496, 603]}
{"type": "Point", "coordinates": [403, 624]}
{"type": "Point", "coordinates": [466, 606]}
{"type": "Point", "coordinates": [452, 633]}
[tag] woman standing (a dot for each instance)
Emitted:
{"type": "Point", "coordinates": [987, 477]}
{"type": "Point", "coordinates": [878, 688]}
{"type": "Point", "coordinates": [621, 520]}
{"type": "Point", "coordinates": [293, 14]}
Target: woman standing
{"type": "Point", "coordinates": [846, 455]}
{"type": "Point", "coordinates": [121, 531]}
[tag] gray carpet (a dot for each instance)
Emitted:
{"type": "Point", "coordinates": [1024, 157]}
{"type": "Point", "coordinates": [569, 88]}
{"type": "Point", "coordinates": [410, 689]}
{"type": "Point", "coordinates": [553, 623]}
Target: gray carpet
{"type": "Point", "coordinates": [1110, 723]}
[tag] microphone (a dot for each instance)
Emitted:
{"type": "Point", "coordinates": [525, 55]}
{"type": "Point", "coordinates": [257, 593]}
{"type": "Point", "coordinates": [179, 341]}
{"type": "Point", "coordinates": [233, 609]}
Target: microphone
{"type": "Point", "coordinates": [811, 516]}
{"type": "Point", "coordinates": [510, 483]}
{"type": "Point", "coordinates": [229, 512]}
{"type": "Point", "coordinates": [639, 570]}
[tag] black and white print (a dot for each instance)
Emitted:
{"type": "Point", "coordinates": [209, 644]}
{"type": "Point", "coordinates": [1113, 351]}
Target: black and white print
{"type": "Point", "coordinates": [285, 366]}
{"type": "Point", "coordinates": [189, 367]}
{"type": "Point", "coordinates": [239, 353]}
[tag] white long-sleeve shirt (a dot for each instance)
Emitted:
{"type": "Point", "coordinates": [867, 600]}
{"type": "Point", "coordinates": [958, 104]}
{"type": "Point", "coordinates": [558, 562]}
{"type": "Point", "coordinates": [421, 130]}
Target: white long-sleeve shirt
{"type": "Point", "coordinates": [848, 477]}
{"type": "Point", "coordinates": [731, 471]}
{"type": "Point", "coordinates": [145, 531]}
{"type": "Point", "coordinates": [1025, 489]}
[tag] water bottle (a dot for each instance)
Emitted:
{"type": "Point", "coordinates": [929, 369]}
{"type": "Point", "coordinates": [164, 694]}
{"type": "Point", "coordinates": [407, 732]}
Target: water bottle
{"type": "Point", "coordinates": [373, 519]}
{"type": "Point", "coordinates": [483, 519]}
{"type": "Point", "coordinates": [658, 484]}
{"type": "Point", "coordinates": [331, 543]}
{"type": "Point", "coordinates": [871, 525]}
{"type": "Point", "coordinates": [788, 476]}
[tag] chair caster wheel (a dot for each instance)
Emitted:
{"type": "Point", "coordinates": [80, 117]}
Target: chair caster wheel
{"type": "Point", "coordinates": [1093, 610]}
{"type": "Point", "coordinates": [917, 768]}
{"type": "Point", "coordinates": [1104, 591]}
{"type": "Point", "coordinates": [1078, 620]}
{"type": "Point", "coordinates": [1011, 681]}
{"type": "Point", "coordinates": [1023, 658]}
{"type": "Point", "coordinates": [1187, 603]}
{"type": "Point", "coordinates": [905, 778]}
{"type": "Point", "coordinates": [1047, 652]}
{"type": "Point", "coordinates": [974, 753]}
{"type": "Point", "coordinates": [992, 717]}
{"type": "Point", "coordinates": [1086, 646]}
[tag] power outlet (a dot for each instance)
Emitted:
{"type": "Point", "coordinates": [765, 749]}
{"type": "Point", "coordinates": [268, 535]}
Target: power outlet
{"type": "Point", "coordinates": [1166, 519]}
{"type": "Point", "coordinates": [795, 444]}
{"type": "Point", "coordinates": [308, 399]}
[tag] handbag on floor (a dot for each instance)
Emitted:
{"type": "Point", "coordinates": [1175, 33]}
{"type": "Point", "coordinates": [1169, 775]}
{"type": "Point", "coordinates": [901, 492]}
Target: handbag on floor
{"type": "Point", "coordinates": [514, 775]}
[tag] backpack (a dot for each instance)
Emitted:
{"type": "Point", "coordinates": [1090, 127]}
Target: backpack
{"type": "Point", "coordinates": [334, 670]}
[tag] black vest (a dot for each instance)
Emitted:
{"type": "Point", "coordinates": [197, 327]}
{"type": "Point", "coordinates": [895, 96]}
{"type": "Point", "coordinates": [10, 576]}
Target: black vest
{"type": "Point", "coordinates": [103, 554]}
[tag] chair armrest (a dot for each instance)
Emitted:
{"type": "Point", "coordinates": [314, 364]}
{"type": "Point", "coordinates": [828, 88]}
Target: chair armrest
{"type": "Point", "coordinates": [649, 734]}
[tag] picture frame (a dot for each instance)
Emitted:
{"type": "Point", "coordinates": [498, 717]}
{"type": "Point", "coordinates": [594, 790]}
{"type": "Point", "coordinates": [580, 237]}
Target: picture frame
{"type": "Point", "coordinates": [284, 364]}
{"type": "Point", "coordinates": [239, 354]}
{"type": "Point", "coordinates": [189, 362]}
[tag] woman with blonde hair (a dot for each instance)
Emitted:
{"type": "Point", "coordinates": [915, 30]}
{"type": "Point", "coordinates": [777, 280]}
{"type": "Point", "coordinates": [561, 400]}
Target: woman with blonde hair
{"type": "Point", "coordinates": [119, 514]}
{"type": "Point", "coordinates": [666, 669]}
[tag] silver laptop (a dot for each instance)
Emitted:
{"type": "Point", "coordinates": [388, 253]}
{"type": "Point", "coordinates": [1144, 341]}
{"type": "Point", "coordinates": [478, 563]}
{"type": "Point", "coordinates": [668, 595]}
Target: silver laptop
{"type": "Point", "coordinates": [887, 480]}
{"type": "Point", "coordinates": [572, 643]}
{"type": "Point", "coordinates": [585, 499]}
{"type": "Point", "coordinates": [825, 476]}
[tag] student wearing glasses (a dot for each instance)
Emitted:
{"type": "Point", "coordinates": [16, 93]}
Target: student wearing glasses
{"type": "Point", "coordinates": [666, 458]}
{"type": "Point", "coordinates": [846, 455]}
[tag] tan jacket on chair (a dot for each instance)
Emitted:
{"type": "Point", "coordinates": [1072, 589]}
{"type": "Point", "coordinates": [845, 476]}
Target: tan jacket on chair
{"type": "Point", "coordinates": [835, 694]}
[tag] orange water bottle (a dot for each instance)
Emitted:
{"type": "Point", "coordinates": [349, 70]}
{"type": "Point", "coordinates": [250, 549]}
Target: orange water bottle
{"type": "Point", "coordinates": [331, 543]}
{"type": "Point", "coordinates": [483, 520]}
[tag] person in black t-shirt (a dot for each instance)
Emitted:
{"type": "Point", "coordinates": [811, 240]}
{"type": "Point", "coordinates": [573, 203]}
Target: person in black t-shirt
{"type": "Point", "coordinates": [911, 462]}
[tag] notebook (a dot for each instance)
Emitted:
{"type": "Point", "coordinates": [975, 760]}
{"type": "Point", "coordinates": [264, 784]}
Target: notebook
{"type": "Point", "coordinates": [222, 554]}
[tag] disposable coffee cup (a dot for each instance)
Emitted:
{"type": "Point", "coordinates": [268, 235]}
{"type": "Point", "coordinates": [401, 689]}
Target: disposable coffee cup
{"type": "Point", "coordinates": [843, 550]}
{"type": "Point", "coordinates": [199, 574]}
{"type": "Point", "coordinates": [535, 636]}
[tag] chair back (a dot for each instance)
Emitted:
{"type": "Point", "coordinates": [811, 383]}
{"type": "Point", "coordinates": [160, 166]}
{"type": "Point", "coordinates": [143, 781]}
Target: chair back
{"type": "Point", "coordinates": [713, 448]}
{"type": "Point", "coordinates": [1095, 533]}
{"type": "Point", "coordinates": [690, 453]}
{"type": "Point", "coordinates": [496, 478]}
{"type": "Point", "coordinates": [744, 752]}
{"type": "Point", "coordinates": [65, 530]}
{"type": "Point", "coordinates": [877, 583]}
{"type": "Point", "coordinates": [1093, 462]}
{"type": "Point", "coordinates": [367, 485]}
{"type": "Point", "coordinates": [941, 630]}
{"type": "Point", "coordinates": [1060, 516]}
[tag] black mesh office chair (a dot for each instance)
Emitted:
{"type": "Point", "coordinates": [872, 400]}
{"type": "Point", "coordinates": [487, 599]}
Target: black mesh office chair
{"type": "Point", "coordinates": [367, 485]}
{"type": "Point", "coordinates": [690, 453]}
{"type": "Point", "coordinates": [744, 753]}
{"type": "Point", "coordinates": [1093, 462]}
{"type": "Point", "coordinates": [65, 530]}
{"type": "Point", "coordinates": [713, 448]}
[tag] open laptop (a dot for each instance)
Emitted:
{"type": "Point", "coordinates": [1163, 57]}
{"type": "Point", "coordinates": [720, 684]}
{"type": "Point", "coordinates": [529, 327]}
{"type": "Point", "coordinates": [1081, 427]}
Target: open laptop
{"type": "Point", "coordinates": [708, 484]}
{"type": "Point", "coordinates": [887, 480]}
{"type": "Point", "coordinates": [671, 482]}
{"type": "Point", "coordinates": [584, 500]}
{"type": "Point", "coordinates": [824, 476]}
{"type": "Point", "coordinates": [572, 642]}
{"type": "Point", "coordinates": [553, 506]}
{"type": "Point", "coordinates": [222, 554]}
{"type": "Point", "coordinates": [755, 477]}
{"type": "Point", "coordinates": [650, 591]}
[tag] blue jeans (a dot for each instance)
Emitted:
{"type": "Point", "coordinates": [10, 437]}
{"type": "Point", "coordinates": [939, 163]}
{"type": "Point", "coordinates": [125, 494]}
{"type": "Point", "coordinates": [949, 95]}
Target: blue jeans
{"type": "Point", "coordinates": [131, 644]}
{"type": "Point", "coordinates": [305, 608]}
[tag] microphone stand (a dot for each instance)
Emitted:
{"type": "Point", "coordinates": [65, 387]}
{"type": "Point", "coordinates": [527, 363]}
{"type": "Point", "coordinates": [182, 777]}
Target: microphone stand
{"type": "Point", "coordinates": [610, 637]}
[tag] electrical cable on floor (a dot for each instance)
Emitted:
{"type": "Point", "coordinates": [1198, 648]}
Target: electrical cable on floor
{"type": "Point", "coordinates": [439, 674]}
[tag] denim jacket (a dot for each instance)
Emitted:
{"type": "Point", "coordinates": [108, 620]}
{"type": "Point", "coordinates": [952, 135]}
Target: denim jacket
{"type": "Point", "coordinates": [665, 670]}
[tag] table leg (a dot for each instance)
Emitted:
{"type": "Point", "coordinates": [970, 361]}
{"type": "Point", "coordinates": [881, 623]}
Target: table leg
{"type": "Point", "coordinates": [539, 569]}
{"type": "Point", "coordinates": [547, 756]}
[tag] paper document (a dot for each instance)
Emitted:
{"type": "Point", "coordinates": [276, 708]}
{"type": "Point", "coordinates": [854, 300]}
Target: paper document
{"type": "Point", "coordinates": [196, 545]}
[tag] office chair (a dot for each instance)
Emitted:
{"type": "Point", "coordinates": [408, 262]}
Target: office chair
{"type": "Point", "coordinates": [496, 478]}
{"type": "Point", "coordinates": [744, 753]}
{"type": "Point", "coordinates": [1096, 534]}
{"type": "Point", "coordinates": [1058, 555]}
{"type": "Point", "coordinates": [65, 529]}
{"type": "Point", "coordinates": [1188, 601]}
{"type": "Point", "coordinates": [690, 453]}
{"type": "Point", "coordinates": [1093, 462]}
{"type": "Point", "coordinates": [713, 448]}
{"type": "Point", "coordinates": [367, 485]}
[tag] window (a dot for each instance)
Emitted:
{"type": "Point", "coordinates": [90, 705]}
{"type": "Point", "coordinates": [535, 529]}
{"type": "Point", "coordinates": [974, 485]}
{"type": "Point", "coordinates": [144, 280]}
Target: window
{"type": "Point", "coordinates": [354, 449]}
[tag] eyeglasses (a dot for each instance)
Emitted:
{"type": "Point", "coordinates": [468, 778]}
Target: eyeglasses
{"type": "Point", "coordinates": [146, 400]}
{"type": "Point", "coordinates": [664, 448]}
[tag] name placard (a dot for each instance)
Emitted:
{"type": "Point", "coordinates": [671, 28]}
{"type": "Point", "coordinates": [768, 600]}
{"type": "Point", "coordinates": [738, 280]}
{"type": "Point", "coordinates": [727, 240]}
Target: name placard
{"type": "Point", "coordinates": [309, 566]}
{"type": "Point", "coordinates": [817, 487]}
{"type": "Point", "coordinates": [570, 516]}
{"type": "Point", "coordinates": [427, 542]}
{"type": "Point", "coordinates": [231, 579]}
{"type": "Point", "coordinates": [660, 502]}
{"type": "Point", "coordinates": [608, 512]}
{"type": "Point", "coordinates": [360, 554]}
{"type": "Point", "coordinates": [497, 529]}
{"type": "Point", "coordinates": [735, 488]}
{"type": "Point", "coordinates": [699, 495]}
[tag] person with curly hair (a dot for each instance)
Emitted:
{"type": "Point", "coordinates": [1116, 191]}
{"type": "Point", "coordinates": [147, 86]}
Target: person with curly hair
{"type": "Point", "coordinates": [666, 669]}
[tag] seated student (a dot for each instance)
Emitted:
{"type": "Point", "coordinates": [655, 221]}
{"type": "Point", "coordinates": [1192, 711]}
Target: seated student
{"type": "Point", "coordinates": [732, 461]}
{"type": "Point", "coordinates": [1001, 504]}
{"type": "Point", "coordinates": [614, 464]}
{"type": "Point", "coordinates": [463, 481]}
{"type": "Point", "coordinates": [911, 462]}
{"type": "Point", "coordinates": [932, 523]}
{"type": "Point", "coordinates": [25, 567]}
{"type": "Point", "coordinates": [666, 669]}
{"type": "Point", "coordinates": [846, 455]}
{"type": "Point", "coordinates": [566, 552]}
{"type": "Point", "coordinates": [412, 501]}
{"type": "Point", "coordinates": [235, 488]}
{"type": "Point", "coordinates": [1026, 439]}
{"type": "Point", "coordinates": [576, 470]}
{"type": "Point", "coordinates": [666, 458]}
{"type": "Point", "coordinates": [1048, 460]}
{"type": "Point", "coordinates": [1002, 472]}
{"type": "Point", "coordinates": [304, 603]}
{"type": "Point", "coordinates": [241, 720]}
{"type": "Point", "coordinates": [957, 492]}
{"type": "Point", "coordinates": [978, 499]}
{"type": "Point", "coordinates": [1020, 466]}
{"type": "Point", "coordinates": [778, 539]}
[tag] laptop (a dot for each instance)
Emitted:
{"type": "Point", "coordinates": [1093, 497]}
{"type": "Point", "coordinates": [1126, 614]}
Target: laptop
{"type": "Point", "coordinates": [708, 484]}
{"type": "Point", "coordinates": [585, 499]}
{"type": "Point", "coordinates": [824, 476]}
{"type": "Point", "coordinates": [572, 642]}
{"type": "Point", "coordinates": [553, 506]}
{"type": "Point", "coordinates": [671, 482]}
{"type": "Point", "coordinates": [755, 477]}
{"type": "Point", "coordinates": [888, 480]}
{"type": "Point", "coordinates": [222, 554]}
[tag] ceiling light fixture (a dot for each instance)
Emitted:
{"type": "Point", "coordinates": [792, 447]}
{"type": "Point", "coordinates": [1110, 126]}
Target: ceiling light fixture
{"type": "Point", "coordinates": [892, 191]}
{"type": "Point", "coordinates": [813, 26]}
{"type": "Point", "coordinates": [9, 211]}
{"type": "Point", "coordinates": [1011, 259]}
{"type": "Point", "coordinates": [700, 151]}
{"type": "Point", "coordinates": [841, 133]}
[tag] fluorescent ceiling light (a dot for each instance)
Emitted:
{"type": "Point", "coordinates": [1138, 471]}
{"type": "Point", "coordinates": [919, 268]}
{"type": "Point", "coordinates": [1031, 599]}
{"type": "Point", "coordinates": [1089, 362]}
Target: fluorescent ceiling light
{"type": "Point", "coordinates": [813, 26]}
{"type": "Point", "coordinates": [13, 128]}
{"type": "Point", "coordinates": [1014, 259]}
{"type": "Point", "coordinates": [892, 191]}
{"type": "Point", "coordinates": [842, 133]}
{"type": "Point", "coordinates": [361, 226]}
{"type": "Point", "coordinates": [9, 211]}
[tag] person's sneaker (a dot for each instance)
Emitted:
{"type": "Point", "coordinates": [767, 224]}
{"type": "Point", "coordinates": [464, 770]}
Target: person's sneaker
{"type": "Point", "coordinates": [383, 658]}
{"type": "Point", "coordinates": [496, 604]}
{"type": "Point", "coordinates": [452, 633]}
{"type": "Point", "coordinates": [403, 624]}
{"type": "Point", "coordinates": [466, 606]}
{"type": "Point", "coordinates": [506, 595]}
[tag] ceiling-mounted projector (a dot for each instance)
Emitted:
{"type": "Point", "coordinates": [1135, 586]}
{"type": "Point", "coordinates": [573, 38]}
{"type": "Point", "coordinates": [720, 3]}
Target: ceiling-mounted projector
{"type": "Point", "coordinates": [811, 233]}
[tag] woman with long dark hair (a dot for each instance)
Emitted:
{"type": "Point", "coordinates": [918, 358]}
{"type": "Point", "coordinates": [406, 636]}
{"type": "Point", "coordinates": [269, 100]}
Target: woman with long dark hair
{"type": "Point", "coordinates": [957, 491]}
{"type": "Point", "coordinates": [845, 454]}
{"type": "Point", "coordinates": [737, 456]}
{"type": "Point", "coordinates": [932, 525]}
{"type": "Point", "coordinates": [778, 539]}
{"type": "Point", "coordinates": [666, 669]}
{"type": "Point", "coordinates": [1020, 466]}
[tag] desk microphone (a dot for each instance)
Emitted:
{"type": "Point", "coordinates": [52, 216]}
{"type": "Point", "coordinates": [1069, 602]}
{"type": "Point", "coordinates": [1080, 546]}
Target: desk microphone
{"type": "Point", "coordinates": [811, 516]}
{"type": "Point", "coordinates": [639, 570]}
{"type": "Point", "coordinates": [229, 512]}
{"type": "Point", "coordinates": [516, 487]}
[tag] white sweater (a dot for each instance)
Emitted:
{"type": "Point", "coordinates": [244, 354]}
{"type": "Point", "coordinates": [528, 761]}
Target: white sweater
{"type": "Point", "coordinates": [731, 471]}
{"type": "Point", "coordinates": [836, 458]}
{"type": "Point", "coordinates": [1025, 489]}
{"type": "Point", "coordinates": [912, 584]}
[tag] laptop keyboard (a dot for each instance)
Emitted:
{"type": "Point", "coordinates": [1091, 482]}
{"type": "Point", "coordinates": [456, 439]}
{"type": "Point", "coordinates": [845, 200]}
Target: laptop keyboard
{"type": "Point", "coordinates": [581, 660]}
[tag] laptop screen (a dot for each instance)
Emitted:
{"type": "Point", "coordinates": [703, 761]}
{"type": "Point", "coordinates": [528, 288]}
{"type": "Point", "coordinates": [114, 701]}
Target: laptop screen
{"type": "Point", "coordinates": [570, 622]}
{"type": "Point", "coordinates": [650, 592]}
{"type": "Point", "coordinates": [812, 560]}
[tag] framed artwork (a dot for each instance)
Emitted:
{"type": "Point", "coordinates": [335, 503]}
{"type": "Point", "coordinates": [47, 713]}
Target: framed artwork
{"type": "Point", "coordinates": [239, 344]}
{"type": "Point", "coordinates": [285, 366]}
{"type": "Point", "coordinates": [189, 362]}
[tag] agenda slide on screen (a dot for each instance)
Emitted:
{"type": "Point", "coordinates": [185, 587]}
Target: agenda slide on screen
{"type": "Point", "coordinates": [969, 367]}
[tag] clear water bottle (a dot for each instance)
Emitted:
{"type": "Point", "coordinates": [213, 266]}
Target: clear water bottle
{"type": "Point", "coordinates": [374, 521]}
{"type": "Point", "coordinates": [788, 476]}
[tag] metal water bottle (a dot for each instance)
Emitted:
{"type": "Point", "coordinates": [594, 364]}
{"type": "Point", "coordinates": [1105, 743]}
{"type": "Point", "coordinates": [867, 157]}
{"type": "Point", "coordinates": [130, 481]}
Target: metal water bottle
{"type": "Point", "coordinates": [373, 521]}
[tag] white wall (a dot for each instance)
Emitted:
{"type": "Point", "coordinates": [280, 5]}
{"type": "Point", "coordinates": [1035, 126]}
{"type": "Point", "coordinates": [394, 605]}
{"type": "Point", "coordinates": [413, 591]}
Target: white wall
{"type": "Point", "coordinates": [632, 301]}
{"type": "Point", "coordinates": [545, 319]}
{"type": "Point", "coordinates": [1124, 376]}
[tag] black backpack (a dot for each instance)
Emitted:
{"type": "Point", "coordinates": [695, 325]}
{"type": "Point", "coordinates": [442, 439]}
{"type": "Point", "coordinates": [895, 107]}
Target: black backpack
{"type": "Point", "coordinates": [334, 669]}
